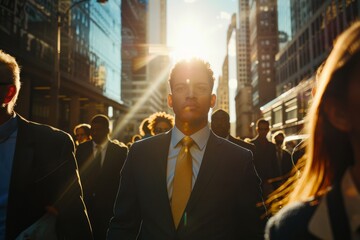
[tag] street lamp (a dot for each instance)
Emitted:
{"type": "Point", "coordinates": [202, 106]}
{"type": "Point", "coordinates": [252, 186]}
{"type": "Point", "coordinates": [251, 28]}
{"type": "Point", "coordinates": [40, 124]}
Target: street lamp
{"type": "Point", "coordinates": [55, 88]}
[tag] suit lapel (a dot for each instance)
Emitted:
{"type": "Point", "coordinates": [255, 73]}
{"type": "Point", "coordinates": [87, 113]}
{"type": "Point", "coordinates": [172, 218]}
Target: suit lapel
{"type": "Point", "coordinates": [108, 155]}
{"type": "Point", "coordinates": [207, 169]}
{"type": "Point", "coordinates": [160, 159]}
{"type": "Point", "coordinates": [23, 173]}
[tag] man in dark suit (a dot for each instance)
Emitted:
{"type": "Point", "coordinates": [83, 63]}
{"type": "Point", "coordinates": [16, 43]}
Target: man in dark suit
{"type": "Point", "coordinates": [214, 196]}
{"type": "Point", "coordinates": [40, 194]}
{"type": "Point", "coordinates": [220, 125]}
{"type": "Point", "coordinates": [265, 156]}
{"type": "Point", "coordinates": [100, 161]}
{"type": "Point", "coordinates": [284, 163]}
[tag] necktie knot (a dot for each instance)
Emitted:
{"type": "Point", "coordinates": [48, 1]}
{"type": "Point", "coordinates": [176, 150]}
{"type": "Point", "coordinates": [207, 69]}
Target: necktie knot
{"type": "Point", "coordinates": [187, 141]}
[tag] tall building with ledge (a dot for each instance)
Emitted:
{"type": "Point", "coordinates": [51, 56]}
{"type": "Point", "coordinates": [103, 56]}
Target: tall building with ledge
{"type": "Point", "coordinates": [243, 95]}
{"type": "Point", "coordinates": [263, 48]}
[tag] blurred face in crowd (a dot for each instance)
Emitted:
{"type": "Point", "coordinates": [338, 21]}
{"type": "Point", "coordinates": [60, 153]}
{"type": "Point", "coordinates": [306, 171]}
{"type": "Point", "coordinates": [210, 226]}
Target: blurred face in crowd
{"type": "Point", "coordinates": [220, 124]}
{"type": "Point", "coordinates": [263, 129]}
{"type": "Point", "coordinates": [99, 132]}
{"type": "Point", "coordinates": [191, 99]}
{"type": "Point", "coordinates": [81, 135]}
{"type": "Point", "coordinates": [161, 127]}
{"type": "Point", "coordinates": [279, 139]}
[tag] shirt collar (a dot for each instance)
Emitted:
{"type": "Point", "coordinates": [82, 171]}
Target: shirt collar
{"type": "Point", "coordinates": [351, 200]}
{"type": "Point", "coordinates": [7, 128]}
{"type": "Point", "coordinates": [200, 137]}
{"type": "Point", "coordinates": [103, 145]}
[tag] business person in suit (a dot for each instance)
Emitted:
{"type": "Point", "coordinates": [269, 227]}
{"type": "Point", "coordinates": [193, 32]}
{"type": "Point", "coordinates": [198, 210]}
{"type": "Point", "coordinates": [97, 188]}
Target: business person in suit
{"type": "Point", "coordinates": [39, 187]}
{"type": "Point", "coordinates": [284, 163]}
{"type": "Point", "coordinates": [265, 157]}
{"type": "Point", "coordinates": [220, 125]}
{"type": "Point", "coordinates": [187, 183]}
{"type": "Point", "coordinates": [100, 161]}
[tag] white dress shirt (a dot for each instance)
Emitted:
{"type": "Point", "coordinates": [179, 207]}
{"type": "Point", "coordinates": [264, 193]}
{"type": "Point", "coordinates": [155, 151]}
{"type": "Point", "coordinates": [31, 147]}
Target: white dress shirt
{"type": "Point", "coordinates": [103, 150]}
{"type": "Point", "coordinates": [197, 151]}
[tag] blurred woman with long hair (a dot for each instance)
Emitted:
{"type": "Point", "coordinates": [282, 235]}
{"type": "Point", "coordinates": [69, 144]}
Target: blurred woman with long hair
{"type": "Point", "coordinates": [323, 202]}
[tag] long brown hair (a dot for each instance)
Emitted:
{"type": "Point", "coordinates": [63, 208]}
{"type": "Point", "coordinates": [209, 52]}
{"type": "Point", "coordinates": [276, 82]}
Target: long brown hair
{"type": "Point", "coordinates": [328, 150]}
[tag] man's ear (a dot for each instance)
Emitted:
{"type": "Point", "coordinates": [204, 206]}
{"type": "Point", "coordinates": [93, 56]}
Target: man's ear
{"type": "Point", "coordinates": [169, 100]}
{"type": "Point", "coordinates": [337, 115]}
{"type": "Point", "coordinates": [11, 92]}
{"type": "Point", "coordinates": [213, 100]}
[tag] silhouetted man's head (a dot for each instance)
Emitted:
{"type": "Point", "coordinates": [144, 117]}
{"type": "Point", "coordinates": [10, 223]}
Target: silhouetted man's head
{"type": "Point", "coordinates": [100, 128]}
{"type": "Point", "coordinates": [262, 128]}
{"type": "Point", "coordinates": [220, 123]}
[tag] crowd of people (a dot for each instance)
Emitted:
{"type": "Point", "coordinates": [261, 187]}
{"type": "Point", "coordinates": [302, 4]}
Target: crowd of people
{"type": "Point", "coordinates": [182, 177]}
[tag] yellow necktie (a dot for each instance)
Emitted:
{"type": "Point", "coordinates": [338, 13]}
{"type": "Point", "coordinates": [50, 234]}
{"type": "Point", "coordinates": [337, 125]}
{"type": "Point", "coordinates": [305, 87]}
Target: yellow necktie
{"type": "Point", "coordinates": [182, 180]}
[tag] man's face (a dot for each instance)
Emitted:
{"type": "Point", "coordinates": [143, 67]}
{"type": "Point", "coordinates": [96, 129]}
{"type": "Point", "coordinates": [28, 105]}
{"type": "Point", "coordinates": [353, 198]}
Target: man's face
{"type": "Point", "coordinates": [161, 127]}
{"type": "Point", "coordinates": [220, 125]}
{"type": "Point", "coordinates": [279, 139]}
{"type": "Point", "coordinates": [191, 97]}
{"type": "Point", "coordinates": [81, 135]}
{"type": "Point", "coordinates": [263, 130]}
{"type": "Point", "coordinates": [99, 133]}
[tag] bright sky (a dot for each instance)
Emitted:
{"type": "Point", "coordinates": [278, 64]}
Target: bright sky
{"type": "Point", "coordinates": [199, 28]}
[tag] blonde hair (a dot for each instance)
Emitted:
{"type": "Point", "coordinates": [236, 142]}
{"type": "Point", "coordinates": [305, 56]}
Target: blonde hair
{"type": "Point", "coordinates": [10, 73]}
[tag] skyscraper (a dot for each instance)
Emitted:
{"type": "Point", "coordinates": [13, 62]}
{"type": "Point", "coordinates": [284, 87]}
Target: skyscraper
{"type": "Point", "coordinates": [145, 62]}
{"type": "Point", "coordinates": [243, 96]}
{"type": "Point", "coordinates": [263, 48]}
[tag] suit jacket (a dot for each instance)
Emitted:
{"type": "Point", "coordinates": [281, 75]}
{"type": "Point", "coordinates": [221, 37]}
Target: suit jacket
{"type": "Point", "coordinates": [323, 218]}
{"type": "Point", "coordinates": [242, 143]}
{"type": "Point", "coordinates": [100, 184]}
{"type": "Point", "coordinates": [283, 168]}
{"type": "Point", "coordinates": [221, 205]}
{"type": "Point", "coordinates": [265, 159]}
{"type": "Point", "coordinates": [286, 163]}
{"type": "Point", "coordinates": [45, 174]}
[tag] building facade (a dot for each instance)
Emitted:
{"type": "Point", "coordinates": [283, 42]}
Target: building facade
{"type": "Point", "coordinates": [145, 61]}
{"type": "Point", "coordinates": [243, 95]}
{"type": "Point", "coordinates": [263, 48]}
{"type": "Point", "coordinates": [88, 67]}
{"type": "Point", "coordinates": [315, 26]}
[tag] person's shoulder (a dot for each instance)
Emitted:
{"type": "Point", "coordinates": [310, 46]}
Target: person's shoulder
{"type": "Point", "coordinates": [118, 146]}
{"type": "Point", "coordinates": [117, 143]}
{"type": "Point", "coordinates": [242, 143]}
{"type": "Point", "coordinates": [84, 145]}
{"type": "Point", "coordinates": [231, 147]}
{"type": "Point", "coordinates": [291, 221]}
{"type": "Point", "coordinates": [152, 141]}
{"type": "Point", "coordinates": [43, 130]}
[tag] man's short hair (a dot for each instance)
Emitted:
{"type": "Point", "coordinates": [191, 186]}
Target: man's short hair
{"type": "Point", "coordinates": [262, 121]}
{"type": "Point", "coordinates": [10, 73]}
{"type": "Point", "coordinates": [84, 126]}
{"type": "Point", "coordinates": [190, 65]}
{"type": "Point", "coordinates": [222, 112]}
{"type": "Point", "coordinates": [101, 119]}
